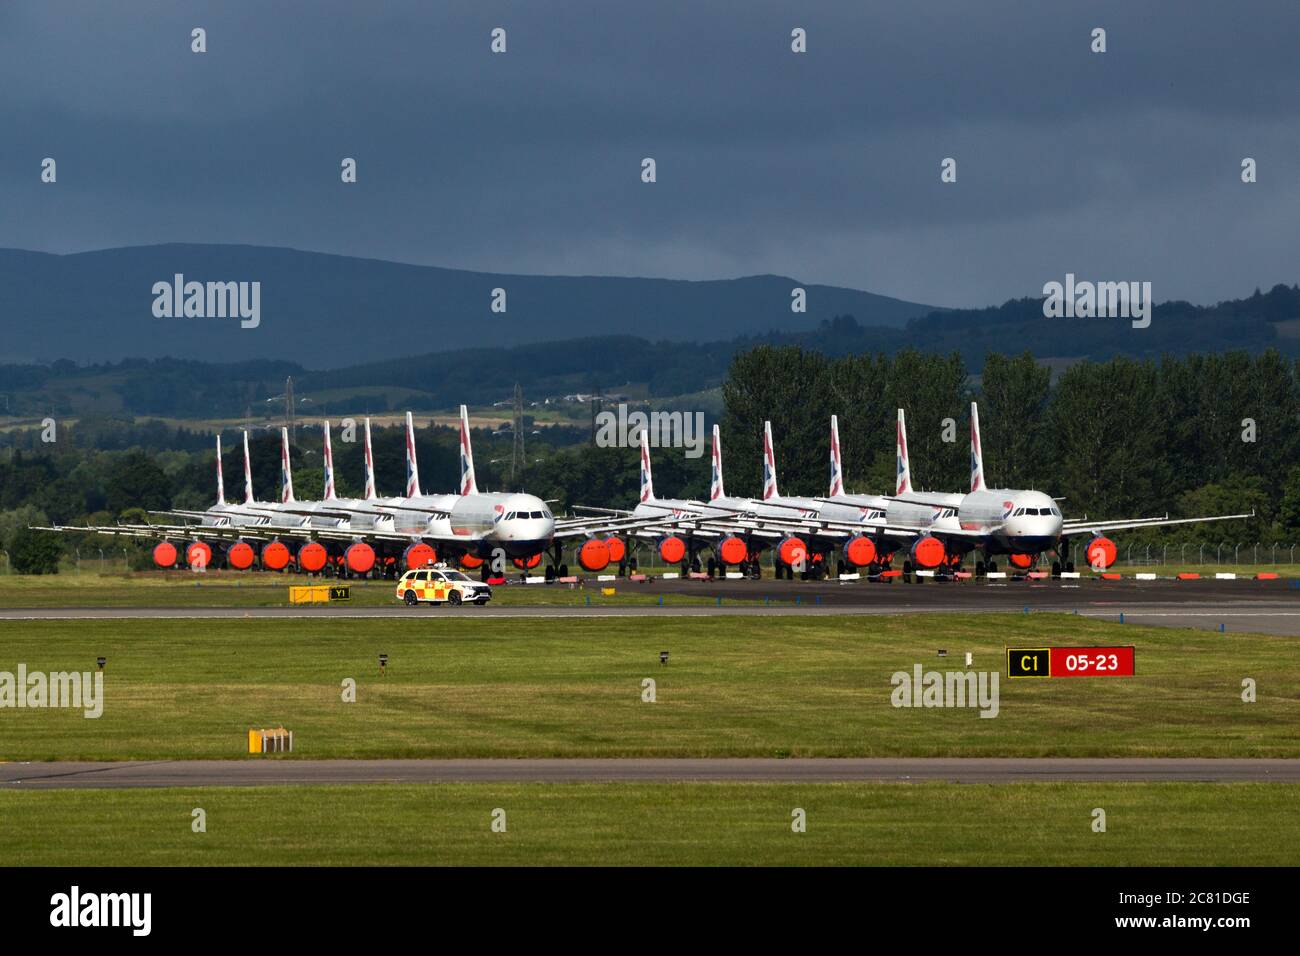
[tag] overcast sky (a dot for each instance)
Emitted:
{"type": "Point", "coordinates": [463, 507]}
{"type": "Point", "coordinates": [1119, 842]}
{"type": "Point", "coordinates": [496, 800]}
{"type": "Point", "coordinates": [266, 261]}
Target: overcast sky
{"type": "Point", "coordinates": [822, 166]}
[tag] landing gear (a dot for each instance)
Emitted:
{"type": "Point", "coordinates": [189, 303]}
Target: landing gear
{"type": "Point", "coordinates": [713, 568]}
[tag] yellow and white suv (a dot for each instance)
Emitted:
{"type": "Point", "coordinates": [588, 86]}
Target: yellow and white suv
{"type": "Point", "coordinates": [441, 585]}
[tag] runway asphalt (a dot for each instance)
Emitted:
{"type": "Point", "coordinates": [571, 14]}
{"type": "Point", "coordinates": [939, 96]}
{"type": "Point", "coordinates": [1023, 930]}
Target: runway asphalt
{"type": "Point", "coordinates": [264, 771]}
{"type": "Point", "coordinates": [1269, 607]}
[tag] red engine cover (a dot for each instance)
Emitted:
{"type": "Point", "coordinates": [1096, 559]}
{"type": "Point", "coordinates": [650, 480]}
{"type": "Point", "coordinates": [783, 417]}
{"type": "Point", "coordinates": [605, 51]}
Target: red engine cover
{"type": "Point", "coordinates": [240, 556]}
{"type": "Point", "coordinates": [199, 554]}
{"type": "Point", "coordinates": [419, 556]}
{"type": "Point", "coordinates": [1101, 552]}
{"type": "Point", "coordinates": [359, 557]}
{"type": "Point", "coordinates": [617, 548]}
{"type": "Point", "coordinates": [792, 550]}
{"type": "Point", "coordinates": [470, 561]}
{"type": "Point", "coordinates": [528, 563]}
{"type": "Point", "coordinates": [928, 552]}
{"type": "Point", "coordinates": [672, 549]}
{"type": "Point", "coordinates": [860, 551]}
{"type": "Point", "coordinates": [593, 555]}
{"type": "Point", "coordinates": [732, 550]}
{"type": "Point", "coordinates": [275, 556]}
{"type": "Point", "coordinates": [312, 556]}
{"type": "Point", "coordinates": [164, 554]}
{"type": "Point", "coordinates": [1022, 561]}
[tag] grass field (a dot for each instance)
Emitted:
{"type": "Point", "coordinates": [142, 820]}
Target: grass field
{"type": "Point", "coordinates": [779, 686]}
{"type": "Point", "coordinates": [659, 824]}
{"type": "Point", "coordinates": [90, 588]}
{"type": "Point", "coordinates": [235, 589]}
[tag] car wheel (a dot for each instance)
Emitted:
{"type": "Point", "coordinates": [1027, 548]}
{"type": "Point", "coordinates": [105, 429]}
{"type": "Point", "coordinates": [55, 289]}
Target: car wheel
{"type": "Point", "coordinates": [410, 599]}
{"type": "Point", "coordinates": [480, 601]}
{"type": "Point", "coordinates": [454, 599]}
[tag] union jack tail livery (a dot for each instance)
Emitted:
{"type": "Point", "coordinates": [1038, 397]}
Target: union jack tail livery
{"type": "Point", "coordinates": [328, 455]}
{"type": "Point", "coordinates": [467, 484]}
{"type": "Point", "coordinates": [716, 490]}
{"type": "Point", "coordinates": [769, 464]}
{"type": "Point", "coordinates": [412, 467]}
{"type": "Point", "coordinates": [976, 458]}
{"type": "Point", "coordinates": [286, 473]}
{"type": "Point", "coordinates": [904, 481]}
{"type": "Point", "coordinates": [370, 467]}
{"type": "Point", "coordinates": [221, 485]}
{"type": "Point", "coordinates": [248, 474]}
{"type": "Point", "coordinates": [837, 473]}
{"type": "Point", "coordinates": [647, 483]}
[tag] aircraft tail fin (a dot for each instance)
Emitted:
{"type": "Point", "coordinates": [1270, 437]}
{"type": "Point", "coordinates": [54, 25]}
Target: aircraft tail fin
{"type": "Point", "coordinates": [248, 474]}
{"type": "Point", "coordinates": [468, 486]}
{"type": "Point", "coordinates": [370, 467]}
{"type": "Point", "coordinates": [837, 472]}
{"type": "Point", "coordinates": [327, 455]}
{"type": "Point", "coordinates": [412, 466]}
{"type": "Point", "coordinates": [904, 482]}
{"type": "Point", "coordinates": [286, 471]}
{"type": "Point", "coordinates": [769, 464]}
{"type": "Point", "coordinates": [716, 490]}
{"type": "Point", "coordinates": [976, 456]}
{"type": "Point", "coordinates": [647, 482]}
{"type": "Point", "coordinates": [221, 485]}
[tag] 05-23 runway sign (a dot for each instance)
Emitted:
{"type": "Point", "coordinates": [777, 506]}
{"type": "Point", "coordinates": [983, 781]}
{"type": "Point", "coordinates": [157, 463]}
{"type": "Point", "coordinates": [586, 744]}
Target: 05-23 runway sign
{"type": "Point", "coordinates": [1070, 662]}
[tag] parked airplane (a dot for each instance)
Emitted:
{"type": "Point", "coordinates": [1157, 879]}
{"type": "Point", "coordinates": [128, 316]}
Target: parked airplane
{"type": "Point", "coordinates": [1018, 523]}
{"type": "Point", "coordinates": [355, 536]}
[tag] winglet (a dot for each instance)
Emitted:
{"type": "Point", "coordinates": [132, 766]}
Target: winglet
{"type": "Point", "coordinates": [837, 473]}
{"type": "Point", "coordinates": [976, 457]}
{"type": "Point", "coordinates": [286, 472]}
{"type": "Point", "coordinates": [467, 484]}
{"type": "Point", "coordinates": [769, 464]}
{"type": "Point", "coordinates": [370, 467]}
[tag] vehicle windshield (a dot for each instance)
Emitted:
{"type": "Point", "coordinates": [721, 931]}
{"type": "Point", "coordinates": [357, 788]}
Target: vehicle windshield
{"type": "Point", "coordinates": [456, 576]}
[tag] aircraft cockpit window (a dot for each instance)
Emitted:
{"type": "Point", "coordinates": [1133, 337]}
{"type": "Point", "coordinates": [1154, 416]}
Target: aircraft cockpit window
{"type": "Point", "coordinates": [1018, 512]}
{"type": "Point", "coordinates": [511, 516]}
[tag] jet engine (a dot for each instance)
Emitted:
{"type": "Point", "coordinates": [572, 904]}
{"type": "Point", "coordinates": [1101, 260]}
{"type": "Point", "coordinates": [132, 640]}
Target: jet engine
{"type": "Point", "coordinates": [859, 551]}
{"type": "Point", "coordinates": [732, 550]}
{"type": "Point", "coordinates": [240, 556]}
{"type": "Point", "coordinates": [672, 549]}
{"type": "Point", "coordinates": [928, 552]}
{"type": "Point", "coordinates": [1101, 552]}
{"type": "Point", "coordinates": [594, 554]}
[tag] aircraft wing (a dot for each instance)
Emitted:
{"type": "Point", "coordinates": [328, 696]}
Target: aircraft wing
{"type": "Point", "coordinates": [159, 531]}
{"type": "Point", "coordinates": [1073, 527]}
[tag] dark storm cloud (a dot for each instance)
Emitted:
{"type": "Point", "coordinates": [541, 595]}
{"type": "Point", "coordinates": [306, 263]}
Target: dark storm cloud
{"type": "Point", "coordinates": [823, 166]}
